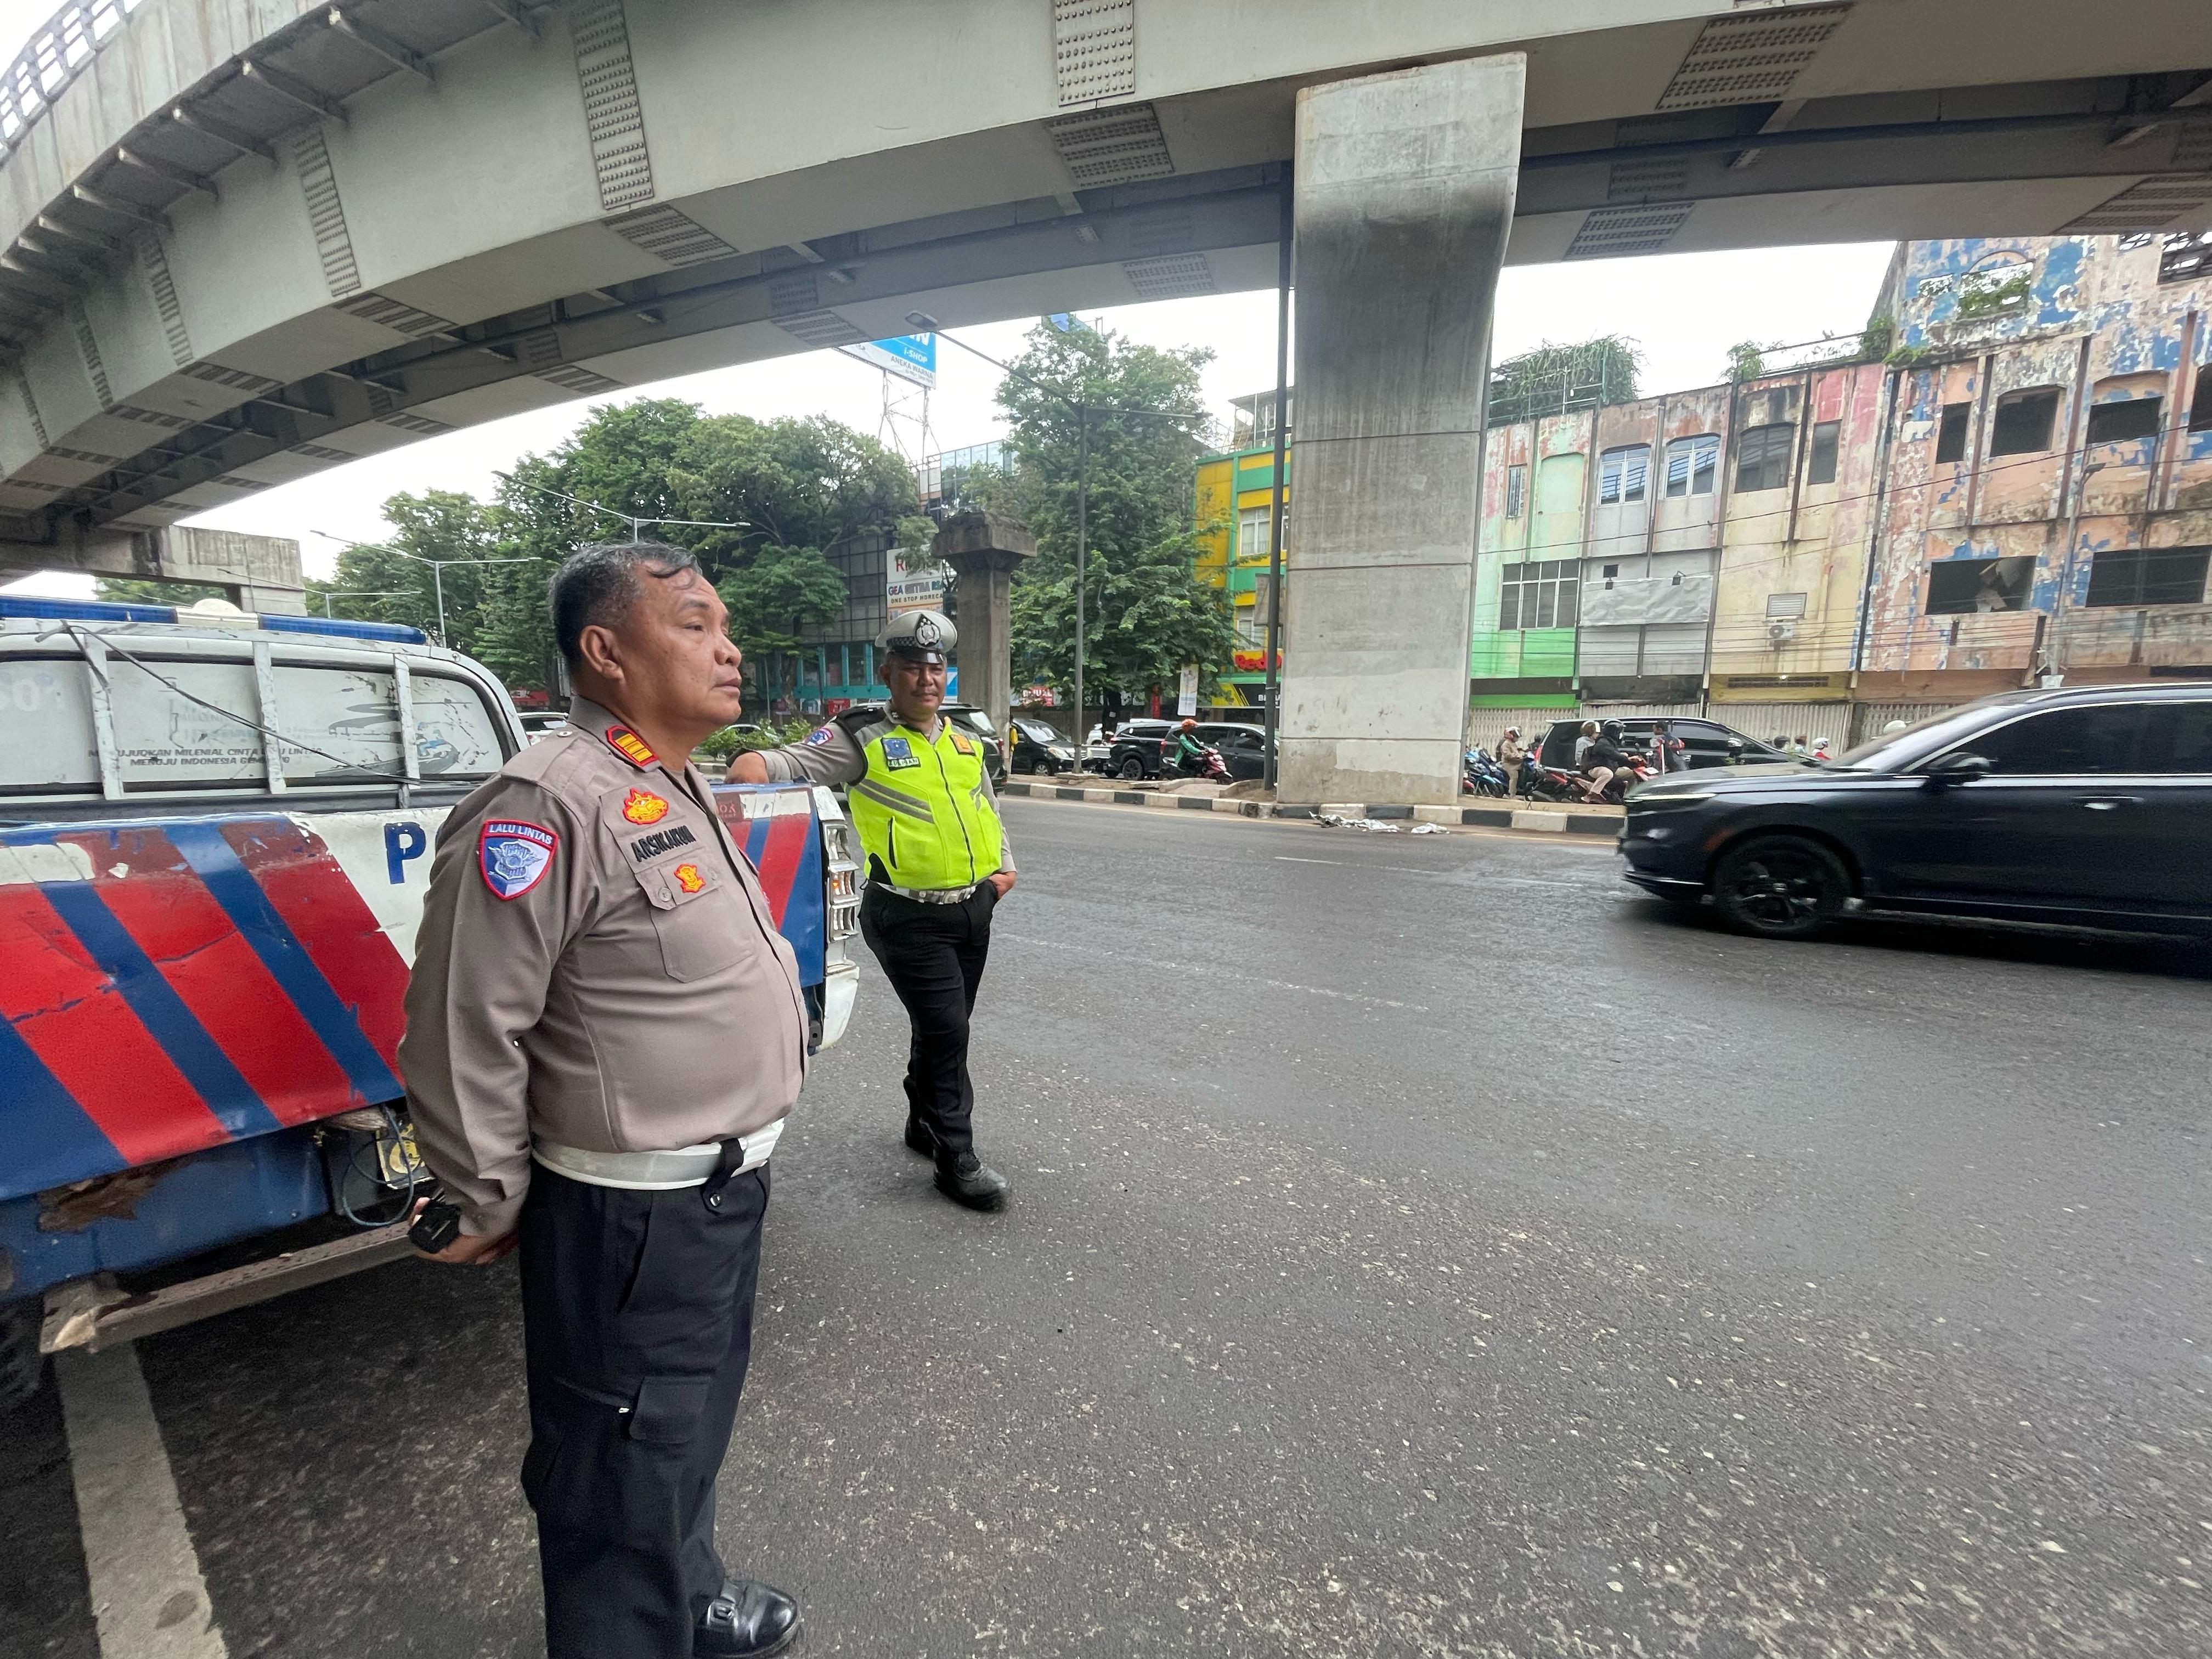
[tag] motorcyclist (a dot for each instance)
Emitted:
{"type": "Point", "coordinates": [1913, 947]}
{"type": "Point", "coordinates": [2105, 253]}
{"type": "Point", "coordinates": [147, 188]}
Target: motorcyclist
{"type": "Point", "coordinates": [1603, 759]}
{"type": "Point", "coordinates": [1189, 754]}
{"type": "Point", "coordinates": [1511, 752]}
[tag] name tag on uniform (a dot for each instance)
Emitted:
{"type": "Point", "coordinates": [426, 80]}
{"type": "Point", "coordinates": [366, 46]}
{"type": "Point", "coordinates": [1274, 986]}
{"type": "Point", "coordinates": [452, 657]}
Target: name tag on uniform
{"type": "Point", "coordinates": [898, 754]}
{"type": "Point", "coordinates": [963, 744]}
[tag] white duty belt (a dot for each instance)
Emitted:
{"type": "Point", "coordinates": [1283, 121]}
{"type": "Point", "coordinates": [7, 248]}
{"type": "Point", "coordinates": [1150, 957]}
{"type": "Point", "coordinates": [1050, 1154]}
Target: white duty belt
{"type": "Point", "coordinates": [654, 1172]}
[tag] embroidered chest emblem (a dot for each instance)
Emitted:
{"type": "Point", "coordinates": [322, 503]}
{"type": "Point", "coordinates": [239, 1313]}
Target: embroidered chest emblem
{"type": "Point", "coordinates": [963, 744]}
{"type": "Point", "coordinates": [688, 878]}
{"type": "Point", "coordinates": [514, 855]}
{"type": "Point", "coordinates": [643, 806]}
{"type": "Point", "coordinates": [899, 754]}
{"type": "Point", "coordinates": [631, 747]}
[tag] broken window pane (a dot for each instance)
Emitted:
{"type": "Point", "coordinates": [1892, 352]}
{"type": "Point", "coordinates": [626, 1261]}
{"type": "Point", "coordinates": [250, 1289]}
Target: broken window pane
{"type": "Point", "coordinates": [1951, 437]}
{"type": "Point", "coordinates": [2022, 423]}
{"type": "Point", "coordinates": [2125, 421]}
{"type": "Point", "coordinates": [1821, 468]}
{"type": "Point", "coordinates": [1961, 587]}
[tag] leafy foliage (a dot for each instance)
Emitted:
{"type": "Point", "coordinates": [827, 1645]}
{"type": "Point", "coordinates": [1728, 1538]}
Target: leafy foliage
{"type": "Point", "coordinates": [1146, 613]}
{"type": "Point", "coordinates": [131, 590]}
{"type": "Point", "coordinates": [1554, 379]}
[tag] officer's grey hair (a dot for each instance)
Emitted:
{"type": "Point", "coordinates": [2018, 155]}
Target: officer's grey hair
{"type": "Point", "coordinates": [596, 586]}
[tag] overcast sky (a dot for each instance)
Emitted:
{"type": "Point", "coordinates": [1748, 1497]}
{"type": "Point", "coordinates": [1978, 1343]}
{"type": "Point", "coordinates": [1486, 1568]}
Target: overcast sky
{"type": "Point", "coordinates": [1684, 311]}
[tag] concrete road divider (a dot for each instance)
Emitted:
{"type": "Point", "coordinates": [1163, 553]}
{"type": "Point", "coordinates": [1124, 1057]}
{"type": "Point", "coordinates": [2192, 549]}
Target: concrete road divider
{"type": "Point", "coordinates": [1543, 820]}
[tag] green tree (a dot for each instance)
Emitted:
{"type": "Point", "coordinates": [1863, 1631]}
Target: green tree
{"type": "Point", "coordinates": [782, 590]}
{"type": "Point", "coordinates": [1147, 612]}
{"type": "Point", "coordinates": [1554, 379]}
{"type": "Point", "coordinates": [131, 590]}
{"type": "Point", "coordinates": [397, 579]}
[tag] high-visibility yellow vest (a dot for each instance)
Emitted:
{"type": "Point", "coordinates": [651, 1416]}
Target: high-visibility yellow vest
{"type": "Point", "coordinates": [922, 811]}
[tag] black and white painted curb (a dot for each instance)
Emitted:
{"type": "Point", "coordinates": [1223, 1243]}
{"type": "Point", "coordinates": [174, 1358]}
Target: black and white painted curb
{"type": "Point", "coordinates": [1554, 820]}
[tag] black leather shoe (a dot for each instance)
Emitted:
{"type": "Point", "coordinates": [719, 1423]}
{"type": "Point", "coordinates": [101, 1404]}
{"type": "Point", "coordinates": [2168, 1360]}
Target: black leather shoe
{"type": "Point", "coordinates": [747, 1620]}
{"type": "Point", "coordinates": [918, 1137]}
{"type": "Point", "coordinates": [966, 1179]}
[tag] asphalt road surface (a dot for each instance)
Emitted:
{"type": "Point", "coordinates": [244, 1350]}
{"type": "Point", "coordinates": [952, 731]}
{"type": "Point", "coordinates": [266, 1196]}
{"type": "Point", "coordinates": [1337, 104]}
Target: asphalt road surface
{"type": "Point", "coordinates": [1419, 1245]}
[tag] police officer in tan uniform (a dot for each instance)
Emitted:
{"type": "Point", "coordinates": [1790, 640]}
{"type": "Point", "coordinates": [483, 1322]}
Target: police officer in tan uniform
{"type": "Point", "coordinates": [605, 1032]}
{"type": "Point", "coordinates": [938, 861]}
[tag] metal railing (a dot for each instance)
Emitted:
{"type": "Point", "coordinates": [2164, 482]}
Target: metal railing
{"type": "Point", "coordinates": [55, 54]}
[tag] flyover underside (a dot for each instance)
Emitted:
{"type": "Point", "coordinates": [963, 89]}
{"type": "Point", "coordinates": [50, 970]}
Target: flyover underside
{"type": "Point", "coordinates": [249, 243]}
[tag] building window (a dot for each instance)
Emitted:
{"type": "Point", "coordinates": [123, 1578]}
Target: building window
{"type": "Point", "coordinates": [1958, 588]}
{"type": "Point", "coordinates": [1252, 533]}
{"type": "Point", "coordinates": [1820, 466]}
{"type": "Point", "coordinates": [2185, 257]}
{"type": "Point", "coordinates": [1621, 473]}
{"type": "Point", "coordinates": [2148, 575]}
{"type": "Point", "coordinates": [1517, 490]}
{"type": "Point", "coordinates": [1762, 456]}
{"type": "Point", "coordinates": [2126, 421]}
{"type": "Point", "coordinates": [1691, 463]}
{"type": "Point", "coordinates": [1782, 607]}
{"type": "Point", "coordinates": [2200, 407]}
{"type": "Point", "coordinates": [2021, 425]}
{"type": "Point", "coordinates": [1951, 437]}
{"type": "Point", "coordinates": [1537, 595]}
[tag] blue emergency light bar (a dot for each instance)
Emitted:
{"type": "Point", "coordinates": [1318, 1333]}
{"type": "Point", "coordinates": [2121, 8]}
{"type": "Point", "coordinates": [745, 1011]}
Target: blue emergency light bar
{"type": "Point", "coordinates": [18, 604]}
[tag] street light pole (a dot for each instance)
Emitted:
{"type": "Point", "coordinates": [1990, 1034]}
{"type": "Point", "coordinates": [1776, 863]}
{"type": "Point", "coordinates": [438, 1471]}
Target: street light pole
{"type": "Point", "coordinates": [1081, 733]}
{"type": "Point", "coordinates": [1272, 636]}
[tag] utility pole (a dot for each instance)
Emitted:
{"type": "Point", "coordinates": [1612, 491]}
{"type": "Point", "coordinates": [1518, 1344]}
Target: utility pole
{"type": "Point", "coordinates": [438, 567]}
{"type": "Point", "coordinates": [1274, 636]}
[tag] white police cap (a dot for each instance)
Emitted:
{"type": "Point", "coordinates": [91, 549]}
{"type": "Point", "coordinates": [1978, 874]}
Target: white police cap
{"type": "Point", "coordinates": [926, 635]}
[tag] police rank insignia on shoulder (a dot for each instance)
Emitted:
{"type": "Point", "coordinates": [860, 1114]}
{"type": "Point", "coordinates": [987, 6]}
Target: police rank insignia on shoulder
{"type": "Point", "coordinates": [818, 736]}
{"type": "Point", "coordinates": [642, 806]}
{"type": "Point", "coordinates": [688, 878]}
{"type": "Point", "coordinates": [631, 746]}
{"type": "Point", "coordinates": [897, 753]}
{"type": "Point", "coordinates": [963, 744]}
{"type": "Point", "coordinates": [514, 855]}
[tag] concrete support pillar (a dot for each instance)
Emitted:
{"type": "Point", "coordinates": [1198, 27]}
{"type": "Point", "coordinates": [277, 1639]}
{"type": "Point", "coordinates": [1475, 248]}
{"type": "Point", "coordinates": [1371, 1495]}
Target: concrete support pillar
{"type": "Point", "coordinates": [255, 573]}
{"type": "Point", "coordinates": [1404, 201]}
{"type": "Point", "coordinates": [985, 549]}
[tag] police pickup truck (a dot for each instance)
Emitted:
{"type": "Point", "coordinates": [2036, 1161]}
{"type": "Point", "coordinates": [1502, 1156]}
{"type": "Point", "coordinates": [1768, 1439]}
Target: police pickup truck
{"type": "Point", "coordinates": [215, 831]}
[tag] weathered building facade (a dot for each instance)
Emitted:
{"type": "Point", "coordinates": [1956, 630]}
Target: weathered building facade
{"type": "Point", "coordinates": [2022, 487]}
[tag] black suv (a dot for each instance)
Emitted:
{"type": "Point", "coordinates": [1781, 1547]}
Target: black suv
{"type": "Point", "coordinates": [1140, 747]}
{"type": "Point", "coordinates": [1705, 743]}
{"type": "Point", "coordinates": [1038, 748]}
{"type": "Point", "coordinates": [2090, 806]}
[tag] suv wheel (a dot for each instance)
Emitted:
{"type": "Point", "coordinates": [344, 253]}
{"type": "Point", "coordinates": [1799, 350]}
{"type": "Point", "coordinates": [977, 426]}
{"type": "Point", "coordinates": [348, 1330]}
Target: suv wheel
{"type": "Point", "coordinates": [1780, 887]}
{"type": "Point", "coordinates": [1131, 767]}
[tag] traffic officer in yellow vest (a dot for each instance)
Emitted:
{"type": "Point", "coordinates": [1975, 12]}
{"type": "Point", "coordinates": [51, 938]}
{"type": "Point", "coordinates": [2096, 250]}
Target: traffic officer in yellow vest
{"type": "Point", "coordinates": [938, 863]}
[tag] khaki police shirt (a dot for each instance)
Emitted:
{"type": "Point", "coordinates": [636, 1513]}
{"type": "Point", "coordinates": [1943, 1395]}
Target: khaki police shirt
{"type": "Point", "coordinates": [837, 753]}
{"type": "Point", "coordinates": [628, 992]}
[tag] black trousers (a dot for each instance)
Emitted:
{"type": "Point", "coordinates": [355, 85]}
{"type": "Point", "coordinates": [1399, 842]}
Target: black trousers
{"type": "Point", "coordinates": [934, 955]}
{"type": "Point", "coordinates": [637, 1311]}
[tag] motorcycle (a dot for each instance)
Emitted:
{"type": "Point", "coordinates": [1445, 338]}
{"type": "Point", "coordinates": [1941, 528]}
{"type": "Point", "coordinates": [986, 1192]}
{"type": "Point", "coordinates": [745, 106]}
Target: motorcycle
{"type": "Point", "coordinates": [1207, 765]}
{"type": "Point", "coordinates": [1481, 775]}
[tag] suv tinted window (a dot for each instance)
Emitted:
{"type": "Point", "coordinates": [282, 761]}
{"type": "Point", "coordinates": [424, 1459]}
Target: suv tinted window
{"type": "Point", "coordinates": [2063, 742]}
{"type": "Point", "coordinates": [2179, 738]}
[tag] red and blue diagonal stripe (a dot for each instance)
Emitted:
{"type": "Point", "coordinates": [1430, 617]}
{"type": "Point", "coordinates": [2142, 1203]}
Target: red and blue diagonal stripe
{"type": "Point", "coordinates": [785, 850]}
{"type": "Point", "coordinates": [211, 980]}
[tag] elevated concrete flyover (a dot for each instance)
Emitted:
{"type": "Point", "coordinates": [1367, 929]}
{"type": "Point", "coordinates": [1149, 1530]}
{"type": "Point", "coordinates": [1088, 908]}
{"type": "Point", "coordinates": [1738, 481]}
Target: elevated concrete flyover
{"type": "Point", "coordinates": [248, 239]}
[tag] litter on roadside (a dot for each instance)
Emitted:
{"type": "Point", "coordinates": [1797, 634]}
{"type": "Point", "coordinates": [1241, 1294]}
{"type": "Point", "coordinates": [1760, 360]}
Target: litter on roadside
{"type": "Point", "coordinates": [1383, 826]}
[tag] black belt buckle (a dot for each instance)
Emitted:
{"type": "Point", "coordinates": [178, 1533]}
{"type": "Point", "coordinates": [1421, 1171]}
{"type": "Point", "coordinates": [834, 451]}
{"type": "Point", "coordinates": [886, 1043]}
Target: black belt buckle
{"type": "Point", "coordinates": [733, 1158]}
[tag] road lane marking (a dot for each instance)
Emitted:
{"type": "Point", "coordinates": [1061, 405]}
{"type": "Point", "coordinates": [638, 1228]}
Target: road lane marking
{"type": "Point", "coordinates": [1216, 973]}
{"type": "Point", "coordinates": [1413, 870]}
{"type": "Point", "coordinates": [148, 1594]}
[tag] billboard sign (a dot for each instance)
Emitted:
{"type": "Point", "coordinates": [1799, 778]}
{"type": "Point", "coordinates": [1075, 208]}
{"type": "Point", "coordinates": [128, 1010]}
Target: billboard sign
{"type": "Point", "coordinates": [920, 589]}
{"type": "Point", "coordinates": [910, 357]}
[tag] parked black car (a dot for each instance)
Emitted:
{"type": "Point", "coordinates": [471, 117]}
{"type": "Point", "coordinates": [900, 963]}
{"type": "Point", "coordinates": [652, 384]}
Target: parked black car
{"type": "Point", "coordinates": [1140, 746]}
{"type": "Point", "coordinates": [2088, 806]}
{"type": "Point", "coordinates": [970, 717]}
{"type": "Point", "coordinates": [1705, 743]}
{"type": "Point", "coordinates": [1038, 748]}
